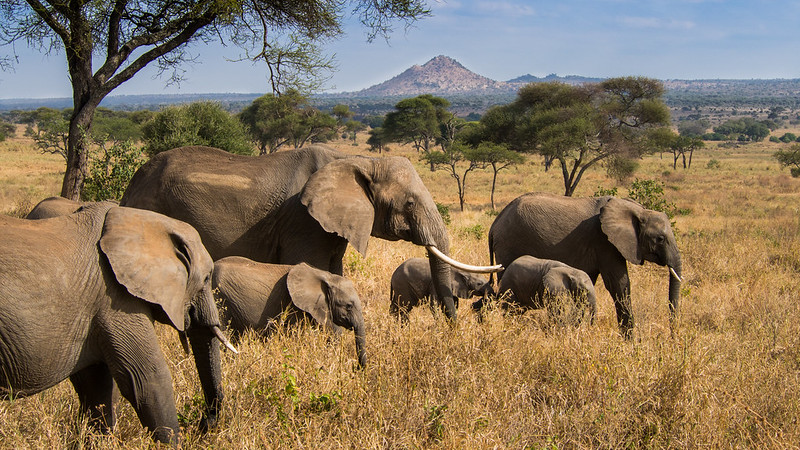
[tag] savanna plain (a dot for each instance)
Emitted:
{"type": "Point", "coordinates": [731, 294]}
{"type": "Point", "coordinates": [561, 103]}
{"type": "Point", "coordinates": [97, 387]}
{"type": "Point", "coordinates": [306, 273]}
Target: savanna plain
{"type": "Point", "coordinates": [729, 377]}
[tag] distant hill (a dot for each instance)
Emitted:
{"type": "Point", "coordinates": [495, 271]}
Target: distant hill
{"type": "Point", "coordinates": [441, 75]}
{"type": "Point", "coordinates": [467, 91]}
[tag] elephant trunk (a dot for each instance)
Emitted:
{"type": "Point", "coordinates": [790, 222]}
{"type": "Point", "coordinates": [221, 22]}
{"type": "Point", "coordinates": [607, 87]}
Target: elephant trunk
{"type": "Point", "coordinates": [204, 336]}
{"type": "Point", "coordinates": [674, 292]}
{"type": "Point", "coordinates": [441, 276]}
{"type": "Point", "coordinates": [361, 343]}
{"type": "Point", "coordinates": [205, 348]}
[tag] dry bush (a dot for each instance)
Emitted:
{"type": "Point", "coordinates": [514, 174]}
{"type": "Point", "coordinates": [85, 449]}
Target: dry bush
{"type": "Point", "coordinates": [727, 378]}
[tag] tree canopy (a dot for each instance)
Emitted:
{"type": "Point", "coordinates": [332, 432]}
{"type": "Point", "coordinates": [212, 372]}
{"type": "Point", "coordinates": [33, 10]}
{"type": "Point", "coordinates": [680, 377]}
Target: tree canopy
{"type": "Point", "coordinates": [124, 36]}
{"type": "Point", "coordinates": [579, 126]}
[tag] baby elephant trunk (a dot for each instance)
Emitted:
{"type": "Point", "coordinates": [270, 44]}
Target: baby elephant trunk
{"type": "Point", "coordinates": [361, 343]}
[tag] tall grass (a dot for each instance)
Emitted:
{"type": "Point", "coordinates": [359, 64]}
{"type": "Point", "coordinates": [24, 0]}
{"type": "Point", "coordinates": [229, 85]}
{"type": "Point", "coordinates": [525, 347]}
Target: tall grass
{"type": "Point", "coordinates": [728, 378]}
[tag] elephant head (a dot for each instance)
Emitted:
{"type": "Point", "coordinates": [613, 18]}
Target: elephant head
{"type": "Point", "coordinates": [330, 300]}
{"type": "Point", "coordinates": [162, 261]}
{"type": "Point", "coordinates": [383, 197]}
{"type": "Point", "coordinates": [644, 235]}
{"type": "Point", "coordinates": [466, 285]}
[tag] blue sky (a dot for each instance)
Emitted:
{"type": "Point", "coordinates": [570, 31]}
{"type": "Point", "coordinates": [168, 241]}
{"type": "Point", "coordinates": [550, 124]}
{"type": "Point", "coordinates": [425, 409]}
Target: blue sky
{"type": "Point", "coordinates": [665, 39]}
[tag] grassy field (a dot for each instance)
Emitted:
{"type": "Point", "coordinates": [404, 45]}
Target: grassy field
{"type": "Point", "coordinates": [729, 378]}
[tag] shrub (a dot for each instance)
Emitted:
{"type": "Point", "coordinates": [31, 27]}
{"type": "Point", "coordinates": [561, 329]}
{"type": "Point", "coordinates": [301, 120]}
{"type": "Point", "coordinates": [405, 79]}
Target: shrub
{"type": "Point", "coordinates": [650, 193]}
{"type": "Point", "coordinates": [111, 171]}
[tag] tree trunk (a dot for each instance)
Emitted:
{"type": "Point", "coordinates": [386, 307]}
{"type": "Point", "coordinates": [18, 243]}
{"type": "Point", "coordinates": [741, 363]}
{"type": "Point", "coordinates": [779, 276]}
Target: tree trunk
{"type": "Point", "coordinates": [494, 183]}
{"type": "Point", "coordinates": [78, 148]}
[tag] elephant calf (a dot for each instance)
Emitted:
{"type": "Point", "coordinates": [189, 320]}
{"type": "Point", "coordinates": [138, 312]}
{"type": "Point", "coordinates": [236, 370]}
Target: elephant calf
{"type": "Point", "coordinates": [530, 283]}
{"type": "Point", "coordinates": [252, 295]}
{"type": "Point", "coordinates": [411, 282]}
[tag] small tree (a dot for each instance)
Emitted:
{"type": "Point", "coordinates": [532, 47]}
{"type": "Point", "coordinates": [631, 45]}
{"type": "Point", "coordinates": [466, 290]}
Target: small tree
{"type": "Point", "coordinates": [459, 159]}
{"type": "Point", "coordinates": [498, 157]}
{"type": "Point", "coordinates": [790, 158]}
{"type": "Point", "coordinates": [200, 123]}
{"type": "Point", "coordinates": [353, 127]}
{"type": "Point", "coordinates": [110, 171]}
{"type": "Point", "coordinates": [287, 119]}
{"type": "Point", "coordinates": [418, 121]}
{"type": "Point", "coordinates": [377, 140]}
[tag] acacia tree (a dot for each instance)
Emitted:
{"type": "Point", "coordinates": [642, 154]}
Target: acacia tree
{"type": "Point", "coordinates": [459, 159]}
{"type": "Point", "coordinates": [126, 35]}
{"type": "Point", "coordinates": [580, 126]}
{"type": "Point", "coordinates": [498, 157]}
{"type": "Point", "coordinates": [420, 121]}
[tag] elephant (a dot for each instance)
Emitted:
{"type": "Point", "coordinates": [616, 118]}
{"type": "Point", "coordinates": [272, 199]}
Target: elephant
{"type": "Point", "coordinates": [253, 295]}
{"type": "Point", "coordinates": [296, 206]}
{"type": "Point", "coordinates": [54, 207]}
{"type": "Point", "coordinates": [596, 235]}
{"type": "Point", "coordinates": [411, 282]}
{"type": "Point", "coordinates": [530, 282]}
{"type": "Point", "coordinates": [78, 297]}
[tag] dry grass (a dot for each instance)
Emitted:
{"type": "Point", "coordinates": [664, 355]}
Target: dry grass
{"type": "Point", "coordinates": [729, 379]}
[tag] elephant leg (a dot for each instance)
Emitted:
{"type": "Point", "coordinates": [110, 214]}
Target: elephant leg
{"type": "Point", "coordinates": [98, 396]}
{"type": "Point", "coordinates": [142, 375]}
{"type": "Point", "coordinates": [619, 286]}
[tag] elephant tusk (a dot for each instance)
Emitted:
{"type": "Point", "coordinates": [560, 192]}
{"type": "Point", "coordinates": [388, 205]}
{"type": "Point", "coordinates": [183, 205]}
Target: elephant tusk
{"type": "Point", "coordinates": [218, 333]}
{"type": "Point", "coordinates": [675, 274]}
{"type": "Point", "coordinates": [462, 266]}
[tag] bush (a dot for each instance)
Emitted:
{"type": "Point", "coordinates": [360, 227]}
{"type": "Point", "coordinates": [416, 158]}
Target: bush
{"type": "Point", "coordinates": [111, 171]}
{"type": "Point", "coordinates": [650, 193]}
{"type": "Point", "coordinates": [444, 211]}
{"type": "Point", "coordinates": [201, 123]}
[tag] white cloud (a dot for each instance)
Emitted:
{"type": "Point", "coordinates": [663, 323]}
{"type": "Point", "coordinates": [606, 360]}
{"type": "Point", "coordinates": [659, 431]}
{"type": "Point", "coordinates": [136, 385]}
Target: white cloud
{"type": "Point", "coordinates": [657, 23]}
{"type": "Point", "coordinates": [505, 8]}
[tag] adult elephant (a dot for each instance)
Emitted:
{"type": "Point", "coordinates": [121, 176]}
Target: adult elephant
{"type": "Point", "coordinates": [595, 234]}
{"type": "Point", "coordinates": [78, 297]}
{"type": "Point", "coordinates": [297, 206]}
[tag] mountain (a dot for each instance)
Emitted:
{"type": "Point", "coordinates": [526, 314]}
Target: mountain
{"type": "Point", "coordinates": [441, 75]}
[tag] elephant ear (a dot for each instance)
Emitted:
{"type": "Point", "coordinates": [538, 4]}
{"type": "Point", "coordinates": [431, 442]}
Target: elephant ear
{"type": "Point", "coordinates": [619, 220]}
{"type": "Point", "coordinates": [308, 290]}
{"type": "Point", "coordinates": [150, 258]}
{"type": "Point", "coordinates": [337, 197]}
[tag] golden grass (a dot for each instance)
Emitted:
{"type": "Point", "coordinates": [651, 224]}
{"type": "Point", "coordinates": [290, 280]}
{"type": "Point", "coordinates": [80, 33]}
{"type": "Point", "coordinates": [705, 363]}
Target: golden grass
{"type": "Point", "coordinates": [728, 379]}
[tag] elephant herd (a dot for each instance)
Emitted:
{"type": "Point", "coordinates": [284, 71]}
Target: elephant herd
{"type": "Point", "coordinates": [205, 241]}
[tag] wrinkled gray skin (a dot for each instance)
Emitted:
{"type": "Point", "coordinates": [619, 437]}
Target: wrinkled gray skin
{"type": "Point", "coordinates": [596, 235]}
{"type": "Point", "coordinates": [530, 282]}
{"type": "Point", "coordinates": [295, 206]}
{"type": "Point", "coordinates": [411, 282]}
{"type": "Point", "coordinates": [253, 295]}
{"type": "Point", "coordinates": [78, 297]}
{"type": "Point", "coordinates": [54, 207]}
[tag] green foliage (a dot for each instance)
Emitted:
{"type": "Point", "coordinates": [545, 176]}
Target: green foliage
{"type": "Point", "coordinates": [421, 121]}
{"type": "Point", "coordinates": [475, 232]}
{"type": "Point", "coordinates": [650, 194]}
{"type": "Point", "coordinates": [6, 130]}
{"type": "Point", "coordinates": [288, 119]}
{"type": "Point", "coordinates": [199, 123]}
{"type": "Point", "coordinates": [579, 126]}
{"type": "Point", "coordinates": [435, 419]}
{"type": "Point", "coordinates": [109, 125]}
{"type": "Point", "coordinates": [788, 137]}
{"type": "Point", "coordinates": [712, 163]}
{"type": "Point", "coordinates": [789, 158]}
{"type": "Point", "coordinates": [110, 171]}
{"type": "Point", "coordinates": [601, 192]}
{"type": "Point", "coordinates": [377, 140]}
{"type": "Point", "coordinates": [444, 211]}
{"type": "Point", "coordinates": [743, 129]}
{"type": "Point", "coordinates": [693, 128]}
{"type": "Point", "coordinates": [192, 411]}
{"type": "Point", "coordinates": [621, 169]}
